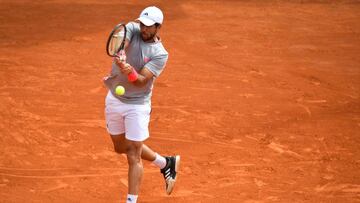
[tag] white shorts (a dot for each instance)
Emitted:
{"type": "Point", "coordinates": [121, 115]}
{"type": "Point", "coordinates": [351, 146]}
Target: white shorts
{"type": "Point", "coordinates": [131, 119]}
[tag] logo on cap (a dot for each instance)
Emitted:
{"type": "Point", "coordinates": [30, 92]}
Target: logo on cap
{"type": "Point", "coordinates": [151, 15]}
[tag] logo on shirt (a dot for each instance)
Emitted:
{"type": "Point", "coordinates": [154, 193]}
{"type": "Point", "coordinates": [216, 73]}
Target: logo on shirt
{"type": "Point", "coordinates": [146, 59]}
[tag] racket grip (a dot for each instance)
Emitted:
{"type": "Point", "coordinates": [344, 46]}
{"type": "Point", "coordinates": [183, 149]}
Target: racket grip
{"type": "Point", "coordinates": [122, 55]}
{"type": "Point", "coordinates": [133, 76]}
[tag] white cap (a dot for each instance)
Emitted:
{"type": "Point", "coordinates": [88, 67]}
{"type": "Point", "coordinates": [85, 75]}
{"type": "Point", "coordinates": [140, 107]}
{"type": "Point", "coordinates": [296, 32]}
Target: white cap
{"type": "Point", "coordinates": [151, 15]}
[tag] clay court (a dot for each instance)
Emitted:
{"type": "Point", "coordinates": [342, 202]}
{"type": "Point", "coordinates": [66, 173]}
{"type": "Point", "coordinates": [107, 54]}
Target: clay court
{"type": "Point", "coordinates": [260, 98]}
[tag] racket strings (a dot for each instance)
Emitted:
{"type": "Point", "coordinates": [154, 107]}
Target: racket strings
{"type": "Point", "coordinates": [116, 41]}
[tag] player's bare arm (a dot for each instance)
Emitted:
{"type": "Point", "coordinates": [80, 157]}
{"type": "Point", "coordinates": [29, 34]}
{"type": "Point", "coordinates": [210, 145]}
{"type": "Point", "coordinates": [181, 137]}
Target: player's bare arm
{"type": "Point", "coordinates": [142, 77]}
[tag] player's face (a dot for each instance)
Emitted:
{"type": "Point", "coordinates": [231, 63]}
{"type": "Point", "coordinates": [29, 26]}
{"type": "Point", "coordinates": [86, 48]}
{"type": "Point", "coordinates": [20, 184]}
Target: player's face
{"type": "Point", "coordinates": [148, 32]}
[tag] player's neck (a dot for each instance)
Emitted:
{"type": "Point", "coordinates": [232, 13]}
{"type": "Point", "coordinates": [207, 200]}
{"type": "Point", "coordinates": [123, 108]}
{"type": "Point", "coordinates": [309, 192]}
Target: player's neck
{"type": "Point", "coordinates": [152, 40]}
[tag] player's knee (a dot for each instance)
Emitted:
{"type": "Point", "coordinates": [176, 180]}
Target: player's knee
{"type": "Point", "coordinates": [133, 154]}
{"type": "Point", "coordinates": [133, 158]}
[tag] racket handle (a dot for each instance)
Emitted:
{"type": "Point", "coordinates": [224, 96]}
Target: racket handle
{"type": "Point", "coordinates": [133, 76]}
{"type": "Point", "coordinates": [122, 55]}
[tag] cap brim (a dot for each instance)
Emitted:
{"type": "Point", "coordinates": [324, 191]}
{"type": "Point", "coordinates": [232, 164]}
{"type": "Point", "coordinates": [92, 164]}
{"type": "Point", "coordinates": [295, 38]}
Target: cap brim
{"type": "Point", "coordinates": [146, 21]}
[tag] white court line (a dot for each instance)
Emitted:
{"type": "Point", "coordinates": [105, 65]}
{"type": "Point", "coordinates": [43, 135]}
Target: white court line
{"type": "Point", "coordinates": [124, 182]}
{"type": "Point", "coordinates": [62, 176]}
{"type": "Point", "coordinates": [60, 169]}
{"type": "Point", "coordinates": [226, 145]}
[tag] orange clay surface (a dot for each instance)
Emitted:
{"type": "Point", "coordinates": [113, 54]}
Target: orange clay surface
{"type": "Point", "coordinates": [260, 99]}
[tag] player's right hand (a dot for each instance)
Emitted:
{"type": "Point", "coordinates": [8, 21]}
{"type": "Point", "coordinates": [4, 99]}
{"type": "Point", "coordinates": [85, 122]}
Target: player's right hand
{"type": "Point", "coordinates": [125, 68]}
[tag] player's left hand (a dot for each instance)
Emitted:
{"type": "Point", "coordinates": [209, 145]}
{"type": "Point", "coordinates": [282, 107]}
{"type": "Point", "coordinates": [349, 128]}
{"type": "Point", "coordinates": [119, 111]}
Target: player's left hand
{"type": "Point", "coordinates": [122, 55]}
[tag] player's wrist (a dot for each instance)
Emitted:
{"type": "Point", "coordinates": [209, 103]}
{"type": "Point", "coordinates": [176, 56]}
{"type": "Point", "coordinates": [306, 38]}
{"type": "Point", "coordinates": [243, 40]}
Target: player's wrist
{"type": "Point", "coordinates": [133, 75]}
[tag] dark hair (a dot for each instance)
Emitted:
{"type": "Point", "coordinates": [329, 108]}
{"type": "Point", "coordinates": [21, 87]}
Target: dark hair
{"type": "Point", "coordinates": [157, 24]}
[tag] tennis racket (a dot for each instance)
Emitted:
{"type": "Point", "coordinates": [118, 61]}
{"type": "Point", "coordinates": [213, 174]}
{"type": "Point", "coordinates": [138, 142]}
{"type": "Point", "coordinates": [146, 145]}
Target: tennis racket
{"type": "Point", "coordinates": [115, 48]}
{"type": "Point", "coordinates": [116, 42]}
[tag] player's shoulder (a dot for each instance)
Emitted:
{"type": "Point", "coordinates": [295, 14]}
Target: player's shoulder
{"type": "Point", "coordinates": [160, 50]}
{"type": "Point", "coordinates": [133, 25]}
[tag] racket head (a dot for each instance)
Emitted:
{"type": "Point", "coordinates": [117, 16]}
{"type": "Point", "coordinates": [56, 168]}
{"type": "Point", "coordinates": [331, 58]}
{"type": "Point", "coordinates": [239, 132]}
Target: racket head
{"type": "Point", "coordinates": [116, 40]}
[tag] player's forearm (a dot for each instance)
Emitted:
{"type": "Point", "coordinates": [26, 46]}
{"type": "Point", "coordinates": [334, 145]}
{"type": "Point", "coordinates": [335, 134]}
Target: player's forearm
{"type": "Point", "coordinates": [141, 81]}
{"type": "Point", "coordinates": [136, 78]}
{"type": "Point", "coordinates": [140, 78]}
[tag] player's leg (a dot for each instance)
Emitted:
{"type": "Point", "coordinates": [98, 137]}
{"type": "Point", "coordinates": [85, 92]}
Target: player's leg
{"type": "Point", "coordinates": [133, 150]}
{"type": "Point", "coordinates": [137, 123]}
{"type": "Point", "coordinates": [133, 154]}
{"type": "Point", "coordinates": [149, 155]}
{"type": "Point", "coordinates": [119, 143]}
{"type": "Point", "coordinates": [115, 113]}
{"type": "Point", "coordinates": [136, 119]}
{"type": "Point", "coordinates": [146, 153]}
{"type": "Point", "coordinates": [168, 165]}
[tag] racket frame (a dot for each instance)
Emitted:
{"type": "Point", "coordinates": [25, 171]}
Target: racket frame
{"type": "Point", "coordinates": [121, 47]}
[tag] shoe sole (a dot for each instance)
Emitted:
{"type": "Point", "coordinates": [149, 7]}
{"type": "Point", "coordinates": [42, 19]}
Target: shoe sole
{"type": "Point", "coordinates": [171, 182]}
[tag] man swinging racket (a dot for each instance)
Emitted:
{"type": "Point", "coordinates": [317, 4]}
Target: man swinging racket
{"type": "Point", "coordinates": [137, 63]}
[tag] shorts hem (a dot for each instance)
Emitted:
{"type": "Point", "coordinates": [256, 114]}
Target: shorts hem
{"type": "Point", "coordinates": [112, 133]}
{"type": "Point", "coordinates": [136, 139]}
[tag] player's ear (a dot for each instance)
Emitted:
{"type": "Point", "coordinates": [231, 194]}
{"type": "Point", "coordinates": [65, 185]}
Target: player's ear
{"type": "Point", "coordinates": [158, 26]}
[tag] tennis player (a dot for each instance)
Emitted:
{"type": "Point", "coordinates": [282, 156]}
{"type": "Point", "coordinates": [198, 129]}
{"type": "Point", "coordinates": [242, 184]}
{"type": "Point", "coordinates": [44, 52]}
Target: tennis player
{"type": "Point", "coordinates": [127, 116]}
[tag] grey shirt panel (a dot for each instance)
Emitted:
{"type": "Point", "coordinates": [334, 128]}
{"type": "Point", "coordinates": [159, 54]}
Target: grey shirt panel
{"type": "Point", "coordinates": [140, 54]}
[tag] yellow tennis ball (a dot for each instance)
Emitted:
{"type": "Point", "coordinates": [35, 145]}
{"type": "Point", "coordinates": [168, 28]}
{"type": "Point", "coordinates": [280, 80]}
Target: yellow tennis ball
{"type": "Point", "coordinates": [120, 90]}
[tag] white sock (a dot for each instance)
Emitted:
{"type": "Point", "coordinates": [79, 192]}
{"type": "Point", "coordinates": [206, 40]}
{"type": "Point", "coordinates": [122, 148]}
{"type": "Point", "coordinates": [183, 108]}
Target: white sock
{"type": "Point", "coordinates": [131, 198]}
{"type": "Point", "coordinates": [159, 161]}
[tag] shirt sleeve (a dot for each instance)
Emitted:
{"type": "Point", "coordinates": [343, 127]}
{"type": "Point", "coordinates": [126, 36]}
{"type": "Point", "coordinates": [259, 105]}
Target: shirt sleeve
{"type": "Point", "coordinates": [157, 64]}
{"type": "Point", "coordinates": [130, 30]}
